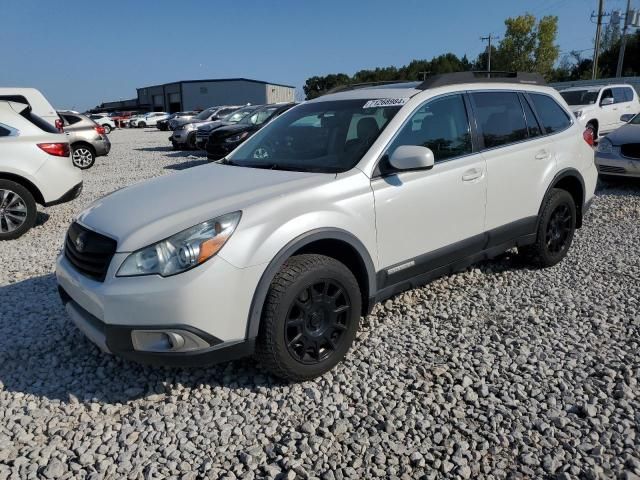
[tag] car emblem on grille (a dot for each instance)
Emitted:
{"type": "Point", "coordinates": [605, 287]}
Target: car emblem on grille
{"type": "Point", "coordinates": [80, 242]}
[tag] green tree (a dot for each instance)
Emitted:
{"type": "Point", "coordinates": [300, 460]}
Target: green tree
{"type": "Point", "coordinates": [316, 86]}
{"type": "Point", "coordinates": [528, 46]}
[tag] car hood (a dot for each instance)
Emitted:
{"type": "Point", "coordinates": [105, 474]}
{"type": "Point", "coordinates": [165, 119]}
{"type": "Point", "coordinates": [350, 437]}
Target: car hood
{"type": "Point", "coordinates": [150, 211]}
{"type": "Point", "coordinates": [208, 126]}
{"type": "Point", "coordinates": [625, 134]}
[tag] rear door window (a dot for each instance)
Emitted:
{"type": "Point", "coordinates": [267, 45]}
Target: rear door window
{"type": "Point", "coordinates": [71, 119]}
{"type": "Point", "coordinates": [619, 95]}
{"type": "Point", "coordinates": [500, 118]}
{"type": "Point", "coordinates": [552, 115]}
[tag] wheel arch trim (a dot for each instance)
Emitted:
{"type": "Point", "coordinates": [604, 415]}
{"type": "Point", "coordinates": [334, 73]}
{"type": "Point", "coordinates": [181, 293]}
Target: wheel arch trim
{"type": "Point", "coordinates": [260, 293]}
{"type": "Point", "coordinates": [26, 183]}
{"type": "Point", "coordinates": [562, 174]}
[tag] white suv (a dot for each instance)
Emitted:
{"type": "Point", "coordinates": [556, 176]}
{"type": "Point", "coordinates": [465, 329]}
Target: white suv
{"type": "Point", "coordinates": [599, 108]}
{"type": "Point", "coordinates": [148, 119]}
{"type": "Point", "coordinates": [339, 203]}
{"type": "Point", "coordinates": [35, 167]}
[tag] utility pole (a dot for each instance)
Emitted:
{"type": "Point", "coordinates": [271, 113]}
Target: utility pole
{"type": "Point", "coordinates": [596, 50]}
{"type": "Point", "coordinates": [488, 38]}
{"type": "Point", "coordinates": [424, 75]}
{"type": "Point", "coordinates": [623, 40]}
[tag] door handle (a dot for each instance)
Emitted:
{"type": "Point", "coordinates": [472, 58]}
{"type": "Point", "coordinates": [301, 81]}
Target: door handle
{"type": "Point", "coordinates": [542, 154]}
{"type": "Point", "coordinates": [471, 174]}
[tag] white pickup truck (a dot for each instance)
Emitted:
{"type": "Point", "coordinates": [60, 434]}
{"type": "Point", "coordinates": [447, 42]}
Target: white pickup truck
{"type": "Point", "coordinates": [599, 107]}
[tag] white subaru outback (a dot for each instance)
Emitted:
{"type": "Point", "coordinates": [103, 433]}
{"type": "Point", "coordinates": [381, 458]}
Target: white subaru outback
{"type": "Point", "coordinates": [343, 201]}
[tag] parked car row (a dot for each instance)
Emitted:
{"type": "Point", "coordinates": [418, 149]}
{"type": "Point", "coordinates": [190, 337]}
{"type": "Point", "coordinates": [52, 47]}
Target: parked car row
{"type": "Point", "coordinates": [219, 130]}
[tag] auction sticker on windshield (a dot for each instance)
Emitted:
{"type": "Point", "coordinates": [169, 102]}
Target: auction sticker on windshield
{"type": "Point", "coordinates": [386, 102]}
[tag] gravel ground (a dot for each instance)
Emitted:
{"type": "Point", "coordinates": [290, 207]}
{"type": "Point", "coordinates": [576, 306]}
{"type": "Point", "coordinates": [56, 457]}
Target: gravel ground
{"type": "Point", "coordinates": [496, 372]}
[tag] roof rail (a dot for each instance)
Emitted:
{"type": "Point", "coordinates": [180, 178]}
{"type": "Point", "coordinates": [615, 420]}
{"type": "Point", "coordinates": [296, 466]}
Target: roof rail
{"type": "Point", "coordinates": [482, 77]}
{"type": "Point", "coordinates": [354, 86]}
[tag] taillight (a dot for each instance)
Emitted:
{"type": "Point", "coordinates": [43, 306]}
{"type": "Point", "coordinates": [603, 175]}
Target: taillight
{"type": "Point", "coordinates": [100, 129]}
{"type": "Point", "coordinates": [56, 149]}
{"type": "Point", "coordinates": [59, 125]}
{"type": "Point", "coordinates": [588, 136]}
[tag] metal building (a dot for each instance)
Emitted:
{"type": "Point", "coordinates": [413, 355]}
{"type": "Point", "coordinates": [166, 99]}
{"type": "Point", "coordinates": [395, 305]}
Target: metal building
{"type": "Point", "coordinates": [200, 94]}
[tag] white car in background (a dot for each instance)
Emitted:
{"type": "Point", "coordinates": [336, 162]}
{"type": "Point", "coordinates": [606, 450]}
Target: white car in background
{"type": "Point", "coordinates": [148, 119]}
{"type": "Point", "coordinates": [104, 121]}
{"type": "Point", "coordinates": [35, 167]}
{"type": "Point", "coordinates": [598, 108]}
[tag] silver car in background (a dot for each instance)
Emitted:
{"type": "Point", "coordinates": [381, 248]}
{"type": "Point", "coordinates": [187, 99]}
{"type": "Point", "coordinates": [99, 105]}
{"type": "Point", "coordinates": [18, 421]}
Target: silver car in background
{"type": "Point", "coordinates": [87, 139]}
{"type": "Point", "coordinates": [618, 153]}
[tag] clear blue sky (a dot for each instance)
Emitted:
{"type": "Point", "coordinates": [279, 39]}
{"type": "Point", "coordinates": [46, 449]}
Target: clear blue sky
{"type": "Point", "coordinates": [83, 52]}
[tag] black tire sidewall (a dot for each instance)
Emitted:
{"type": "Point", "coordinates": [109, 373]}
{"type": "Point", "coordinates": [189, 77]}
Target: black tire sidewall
{"type": "Point", "coordinates": [107, 129]}
{"type": "Point", "coordinates": [32, 210]}
{"type": "Point", "coordinates": [330, 269]}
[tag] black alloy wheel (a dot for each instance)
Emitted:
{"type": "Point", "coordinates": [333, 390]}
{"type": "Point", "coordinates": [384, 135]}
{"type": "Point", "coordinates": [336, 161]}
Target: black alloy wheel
{"type": "Point", "coordinates": [316, 321]}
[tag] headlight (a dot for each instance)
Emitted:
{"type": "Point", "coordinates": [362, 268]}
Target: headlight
{"type": "Point", "coordinates": [237, 138]}
{"type": "Point", "coordinates": [182, 251]}
{"type": "Point", "coordinates": [604, 146]}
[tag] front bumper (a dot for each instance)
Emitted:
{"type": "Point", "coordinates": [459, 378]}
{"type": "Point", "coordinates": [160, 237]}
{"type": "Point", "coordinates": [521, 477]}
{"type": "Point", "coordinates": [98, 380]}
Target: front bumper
{"type": "Point", "coordinates": [181, 137]}
{"type": "Point", "coordinates": [615, 164]}
{"type": "Point", "coordinates": [219, 150]}
{"type": "Point", "coordinates": [119, 340]}
{"type": "Point", "coordinates": [208, 306]}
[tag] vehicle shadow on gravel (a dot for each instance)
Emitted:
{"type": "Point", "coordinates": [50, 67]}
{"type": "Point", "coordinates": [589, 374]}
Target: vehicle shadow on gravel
{"type": "Point", "coordinates": [43, 354]}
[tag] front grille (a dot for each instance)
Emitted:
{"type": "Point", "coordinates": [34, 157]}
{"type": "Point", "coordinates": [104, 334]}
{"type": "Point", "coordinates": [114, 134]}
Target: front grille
{"type": "Point", "coordinates": [631, 150]}
{"type": "Point", "coordinates": [89, 252]}
{"type": "Point", "coordinates": [610, 169]}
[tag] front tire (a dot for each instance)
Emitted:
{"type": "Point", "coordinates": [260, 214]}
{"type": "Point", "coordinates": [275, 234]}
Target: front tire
{"type": "Point", "coordinates": [310, 317]}
{"type": "Point", "coordinates": [556, 227]}
{"type": "Point", "coordinates": [83, 156]}
{"type": "Point", "coordinates": [17, 210]}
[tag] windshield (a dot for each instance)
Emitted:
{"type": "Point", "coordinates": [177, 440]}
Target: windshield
{"type": "Point", "coordinates": [580, 97]}
{"type": "Point", "coordinates": [259, 117]}
{"type": "Point", "coordinates": [203, 115]}
{"type": "Point", "coordinates": [235, 117]}
{"type": "Point", "coordinates": [326, 137]}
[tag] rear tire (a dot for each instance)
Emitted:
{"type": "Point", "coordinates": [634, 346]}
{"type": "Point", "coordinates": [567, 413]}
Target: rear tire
{"type": "Point", "coordinates": [556, 227]}
{"type": "Point", "coordinates": [141, 124]}
{"type": "Point", "coordinates": [83, 156]}
{"type": "Point", "coordinates": [310, 317]}
{"type": "Point", "coordinates": [17, 210]}
{"type": "Point", "coordinates": [107, 128]}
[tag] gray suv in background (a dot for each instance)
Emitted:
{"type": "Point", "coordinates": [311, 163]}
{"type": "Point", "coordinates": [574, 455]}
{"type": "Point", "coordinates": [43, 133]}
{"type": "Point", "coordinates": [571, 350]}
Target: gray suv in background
{"type": "Point", "coordinates": [87, 139]}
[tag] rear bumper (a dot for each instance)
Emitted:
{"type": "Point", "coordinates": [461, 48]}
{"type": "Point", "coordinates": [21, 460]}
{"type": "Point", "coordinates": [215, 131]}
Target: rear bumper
{"type": "Point", "coordinates": [103, 147]}
{"type": "Point", "coordinates": [67, 197]}
{"type": "Point", "coordinates": [119, 340]}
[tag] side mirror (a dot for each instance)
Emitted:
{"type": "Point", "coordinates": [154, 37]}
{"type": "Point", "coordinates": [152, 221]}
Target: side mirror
{"type": "Point", "coordinates": [627, 117]}
{"type": "Point", "coordinates": [606, 101]}
{"type": "Point", "coordinates": [412, 157]}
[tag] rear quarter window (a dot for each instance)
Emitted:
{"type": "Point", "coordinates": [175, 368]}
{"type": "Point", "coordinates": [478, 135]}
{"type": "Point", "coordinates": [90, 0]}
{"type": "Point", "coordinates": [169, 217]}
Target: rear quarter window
{"type": "Point", "coordinates": [4, 132]}
{"type": "Point", "coordinates": [553, 117]}
{"type": "Point", "coordinates": [71, 119]}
